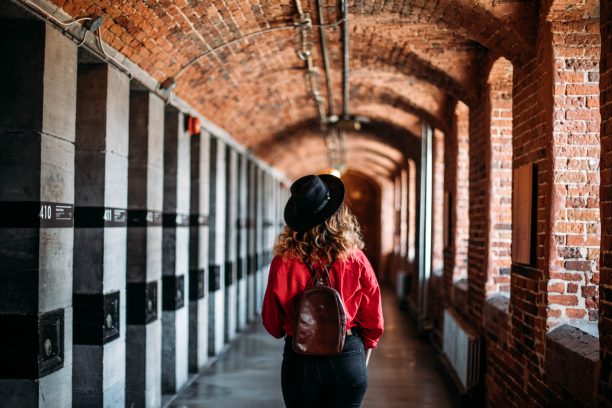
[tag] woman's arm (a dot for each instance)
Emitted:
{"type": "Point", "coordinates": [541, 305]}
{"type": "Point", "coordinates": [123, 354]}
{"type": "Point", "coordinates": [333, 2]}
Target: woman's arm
{"type": "Point", "coordinates": [368, 354]}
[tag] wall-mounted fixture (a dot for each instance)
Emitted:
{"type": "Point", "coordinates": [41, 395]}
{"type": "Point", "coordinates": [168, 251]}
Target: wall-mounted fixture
{"type": "Point", "coordinates": [168, 84]}
{"type": "Point", "coordinates": [94, 23]}
{"type": "Point", "coordinates": [193, 125]}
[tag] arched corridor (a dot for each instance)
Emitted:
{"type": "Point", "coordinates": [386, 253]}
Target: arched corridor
{"type": "Point", "coordinates": [147, 151]}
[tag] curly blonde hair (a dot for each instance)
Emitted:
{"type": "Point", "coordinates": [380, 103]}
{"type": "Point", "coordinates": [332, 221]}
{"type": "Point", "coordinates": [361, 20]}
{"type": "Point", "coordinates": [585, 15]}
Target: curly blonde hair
{"type": "Point", "coordinates": [336, 238]}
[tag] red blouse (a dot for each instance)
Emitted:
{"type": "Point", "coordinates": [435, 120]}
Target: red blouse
{"type": "Point", "coordinates": [353, 278]}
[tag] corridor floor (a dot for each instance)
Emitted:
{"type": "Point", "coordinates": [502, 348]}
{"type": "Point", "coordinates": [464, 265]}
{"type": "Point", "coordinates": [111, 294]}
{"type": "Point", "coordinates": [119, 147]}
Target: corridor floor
{"type": "Point", "coordinates": [401, 372]}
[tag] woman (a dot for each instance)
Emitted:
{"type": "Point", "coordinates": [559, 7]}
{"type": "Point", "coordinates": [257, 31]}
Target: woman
{"type": "Point", "coordinates": [321, 230]}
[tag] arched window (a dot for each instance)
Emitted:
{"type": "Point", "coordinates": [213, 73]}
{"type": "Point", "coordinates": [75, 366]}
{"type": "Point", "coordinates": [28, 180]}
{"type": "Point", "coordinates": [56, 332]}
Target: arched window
{"type": "Point", "coordinates": [500, 204]}
{"type": "Point", "coordinates": [462, 199]}
{"type": "Point", "coordinates": [437, 265]}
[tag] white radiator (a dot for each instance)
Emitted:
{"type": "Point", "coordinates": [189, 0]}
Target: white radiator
{"type": "Point", "coordinates": [461, 347]}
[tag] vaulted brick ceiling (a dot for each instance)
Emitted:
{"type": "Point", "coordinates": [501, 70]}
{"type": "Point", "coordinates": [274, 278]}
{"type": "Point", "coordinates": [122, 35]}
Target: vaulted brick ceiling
{"type": "Point", "coordinates": [409, 60]}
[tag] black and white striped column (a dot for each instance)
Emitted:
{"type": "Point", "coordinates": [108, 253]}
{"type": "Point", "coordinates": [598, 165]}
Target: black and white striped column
{"type": "Point", "coordinates": [241, 249]}
{"type": "Point", "coordinates": [231, 217]}
{"type": "Point", "coordinates": [37, 131]}
{"type": "Point", "coordinates": [175, 255]}
{"type": "Point", "coordinates": [251, 239]}
{"type": "Point", "coordinates": [100, 236]}
{"type": "Point", "coordinates": [216, 251]}
{"type": "Point", "coordinates": [144, 250]}
{"type": "Point", "coordinates": [259, 239]}
{"type": "Point", "coordinates": [198, 252]}
{"type": "Point", "coordinates": [269, 207]}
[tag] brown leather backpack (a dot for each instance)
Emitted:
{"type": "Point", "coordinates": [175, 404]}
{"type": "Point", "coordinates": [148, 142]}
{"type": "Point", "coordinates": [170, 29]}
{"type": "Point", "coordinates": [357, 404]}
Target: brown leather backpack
{"type": "Point", "coordinates": [320, 319]}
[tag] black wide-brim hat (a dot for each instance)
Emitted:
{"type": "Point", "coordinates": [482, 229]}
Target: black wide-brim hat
{"type": "Point", "coordinates": [314, 199]}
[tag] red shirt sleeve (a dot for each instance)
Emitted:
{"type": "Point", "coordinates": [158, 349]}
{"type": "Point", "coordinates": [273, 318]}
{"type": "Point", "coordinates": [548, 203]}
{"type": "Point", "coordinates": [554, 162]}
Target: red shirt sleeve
{"type": "Point", "coordinates": [271, 310]}
{"type": "Point", "coordinates": [369, 316]}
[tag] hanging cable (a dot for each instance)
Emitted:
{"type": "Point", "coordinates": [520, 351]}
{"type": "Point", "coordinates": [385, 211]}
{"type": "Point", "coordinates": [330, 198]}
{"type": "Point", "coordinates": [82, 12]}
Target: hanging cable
{"type": "Point", "coordinates": [303, 48]}
{"type": "Point", "coordinates": [54, 19]}
{"type": "Point", "coordinates": [345, 60]}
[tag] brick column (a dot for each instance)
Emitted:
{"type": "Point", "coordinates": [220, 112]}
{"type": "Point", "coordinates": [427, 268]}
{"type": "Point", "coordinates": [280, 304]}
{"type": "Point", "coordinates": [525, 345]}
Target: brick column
{"type": "Point", "coordinates": [605, 288]}
{"type": "Point", "coordinates": [144, 249]}
{"type": "Point", "coordinates": [175, 255]}
{"type": "Point", "coordinates": [100, 235]}
{"type": "Point", "coordinates": [198, 252]}
{"type": "Point", "coordinates": [242, 250]}
{"type": "Point", "coordinates": [37, 131]}
{"type": "Point", "coordinates": [216, 248]}
{"type": "Point", "coordinates": [231, 217]}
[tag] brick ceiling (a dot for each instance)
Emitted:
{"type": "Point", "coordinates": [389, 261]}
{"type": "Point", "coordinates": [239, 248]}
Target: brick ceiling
{"type": "Point", "coordinates": [409, 60]}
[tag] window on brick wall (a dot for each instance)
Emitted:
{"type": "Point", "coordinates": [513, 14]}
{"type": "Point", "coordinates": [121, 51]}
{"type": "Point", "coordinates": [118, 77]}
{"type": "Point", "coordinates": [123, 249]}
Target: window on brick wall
{"type": "Point", "coordinates": [500, 204]}
{"type": "Point", "coordinates": [438, 214]}
{"type": "Point", "coordinates": [573, 294]}
{"type": "Point", "coordinates": [412, 208]}
{"type": "Point", "coordinates": [461, 199]}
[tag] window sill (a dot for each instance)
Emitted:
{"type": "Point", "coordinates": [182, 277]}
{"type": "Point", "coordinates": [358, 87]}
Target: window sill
{"type": "Point", "coordinates": [571, 350]}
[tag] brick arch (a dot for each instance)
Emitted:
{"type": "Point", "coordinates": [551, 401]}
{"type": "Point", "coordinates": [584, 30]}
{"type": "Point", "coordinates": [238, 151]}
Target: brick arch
{"type": "Point", "coordinates": [473, 19]}
{"type": "Point", "coordinates": [373, 150]}
{"type": "Point", "coordinates": [363, 91]}
{"type": "Point", "coordinates": [314, 159]}
{"type": "Point", "coordinates": [384, 132]}
{"type": "Point", "coordinates": [382, 53]}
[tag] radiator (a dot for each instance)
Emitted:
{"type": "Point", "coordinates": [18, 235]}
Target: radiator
{"type": "Point", "coordinates": [461, 348]}
{"type": "Point", "coordinates": [400, 287]}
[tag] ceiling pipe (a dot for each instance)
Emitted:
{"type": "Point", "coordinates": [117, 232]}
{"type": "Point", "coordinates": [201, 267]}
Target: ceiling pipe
{"type": "Point", "coordinates": [345, 58]}
{"type": "Point", "coordinates": [330, 93]}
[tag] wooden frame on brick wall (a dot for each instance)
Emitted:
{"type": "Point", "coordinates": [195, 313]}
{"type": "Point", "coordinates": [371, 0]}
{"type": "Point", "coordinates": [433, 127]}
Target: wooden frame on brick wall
{"type": "Point", "coordinates": [524, 211]}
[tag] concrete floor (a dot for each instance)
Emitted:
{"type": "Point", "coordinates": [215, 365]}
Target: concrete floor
{"type": "Point", "coordinates": [401, 372]}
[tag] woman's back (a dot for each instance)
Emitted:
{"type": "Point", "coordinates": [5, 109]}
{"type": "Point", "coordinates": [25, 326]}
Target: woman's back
{"type": "Point", "coordinates": [321, 228]}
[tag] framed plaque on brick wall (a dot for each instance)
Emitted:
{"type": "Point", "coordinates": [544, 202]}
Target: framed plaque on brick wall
{"type": "Point", "coordinates": [524, 210]}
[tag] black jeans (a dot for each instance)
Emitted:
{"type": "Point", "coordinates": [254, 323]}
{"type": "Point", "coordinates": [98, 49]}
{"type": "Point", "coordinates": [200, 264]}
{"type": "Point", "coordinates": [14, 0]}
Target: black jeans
{"type": "Point", "coordinates": [333, 381]}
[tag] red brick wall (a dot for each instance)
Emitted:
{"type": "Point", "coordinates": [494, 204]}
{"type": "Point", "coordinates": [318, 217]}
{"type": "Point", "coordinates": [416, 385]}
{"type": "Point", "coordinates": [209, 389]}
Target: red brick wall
{"type": "Point", "coordinates": [605, 301]}
{"type": "Point", "coordinates": [532, 126]}
{"type": "Point", "coordinates": [479, 192]}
